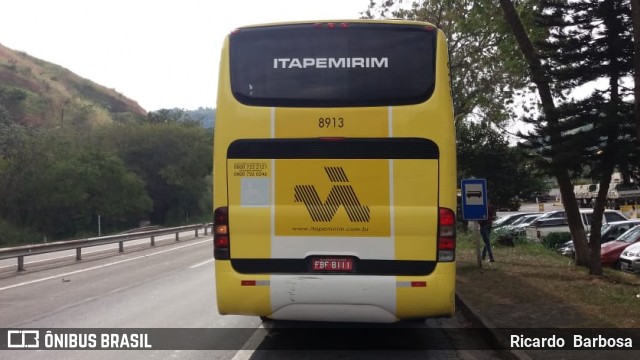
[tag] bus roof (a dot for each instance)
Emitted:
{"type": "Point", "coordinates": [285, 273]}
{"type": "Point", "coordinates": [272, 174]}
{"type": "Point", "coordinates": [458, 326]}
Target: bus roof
{"type": "Point", "coordinates": [342, 21]}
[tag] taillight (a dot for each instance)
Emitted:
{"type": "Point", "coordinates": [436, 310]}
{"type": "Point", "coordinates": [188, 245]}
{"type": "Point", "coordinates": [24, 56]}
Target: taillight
{"type": "Point", "coordinates": [221, 233]}
{"type": "Point", "coordinates": [446, 235]}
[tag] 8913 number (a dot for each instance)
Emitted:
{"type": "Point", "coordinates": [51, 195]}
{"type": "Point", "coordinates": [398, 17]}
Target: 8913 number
{"type": "Point", "coordinates": [330, 122]}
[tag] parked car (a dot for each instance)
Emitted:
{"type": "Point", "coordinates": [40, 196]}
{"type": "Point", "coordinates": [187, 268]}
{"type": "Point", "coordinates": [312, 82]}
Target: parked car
{"type": "Point", "coordinates": [611, 251]}
{"type": "Point", "coordinates": [509, 219]}
{"type": "Point", "coordinates": [550, 215]}
{"type": "Point", "coordinates": [557, 222]}
{"type": "Point", "coordinates": [551, 218]}
{"type": "Point", "coordinates": [508, 233]}
{"type": "Point", "coordinates": [608, 232]}
{"type": "Point", "coordinates": [630, 258]}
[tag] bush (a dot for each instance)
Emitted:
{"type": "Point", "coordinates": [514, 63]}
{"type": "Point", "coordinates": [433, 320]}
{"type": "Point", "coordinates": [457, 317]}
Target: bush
{"type": "Point", "coordinates": [11, 235]}
{"type": "Point", "coordinates": [552, 240]}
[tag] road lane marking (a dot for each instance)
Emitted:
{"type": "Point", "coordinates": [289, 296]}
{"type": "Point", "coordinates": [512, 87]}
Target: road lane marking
{"type": "Point", "coordinates": [100, 266]}
{"type": "Point", "coordinates": [252, 344]}
{"type": "Point", "coordinates": [243, 355]}
{"type": "Point", "coordinates": [200, 264]}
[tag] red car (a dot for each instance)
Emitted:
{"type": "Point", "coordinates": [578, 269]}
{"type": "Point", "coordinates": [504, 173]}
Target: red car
{"type": "Point", "coordinates": [610, 252]}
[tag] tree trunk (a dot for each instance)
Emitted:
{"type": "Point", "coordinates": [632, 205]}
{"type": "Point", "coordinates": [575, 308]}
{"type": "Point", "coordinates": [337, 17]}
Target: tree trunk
{"type": "Point", "coordinates": [635, 18]}
{"type": "Point", "coordinates": [575, 222]}
{"type": "Point", "coordinates": [541, 81]}
{"type": "Point", "coordinates": [610, 149]}
{"type": "Point", "coordinates": [595, 264]}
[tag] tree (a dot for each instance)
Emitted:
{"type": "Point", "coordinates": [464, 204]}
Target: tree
{"type": "Point", "coordinates": [173, 159]}
{"type": "Point", "coordinates": [486, 71]}
{"type": "Point", "coordinates": [11, 100]}
{"type": "Point", "coordinates": [542, 82]}
{"type": "Point", "coordinates": [16, 157]}
{"type": "Point", "coordinates": [5, 117]}
{"type": "Point", "coordinates": [171, 116]}
{"type": "Point", "coordinates": [635, 16]}
{"type": "Point", "coordinates": [112, 192]}
{"type": "Point", "coordinates": [483, 152]}
{"type": "Point", "coordinates": [588, 40]}
{"type": "Point", "coordinates": [58, 184]}
{"type": "Point", "coordinates": [591, 40]}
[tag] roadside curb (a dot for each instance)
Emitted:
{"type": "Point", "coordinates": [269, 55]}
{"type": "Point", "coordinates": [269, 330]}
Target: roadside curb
{"type": "Point", "coordinates": [494, 336]}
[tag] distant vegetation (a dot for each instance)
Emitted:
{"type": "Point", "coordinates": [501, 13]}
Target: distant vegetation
{"type": "Point", "coordinates": [206, 117]}
{"type": "Point", "coordinates": [72, 151]}
{"type": "Point", "coordinates": [55, 183]}
{"type": "Point", "coordinates": [39, 93]}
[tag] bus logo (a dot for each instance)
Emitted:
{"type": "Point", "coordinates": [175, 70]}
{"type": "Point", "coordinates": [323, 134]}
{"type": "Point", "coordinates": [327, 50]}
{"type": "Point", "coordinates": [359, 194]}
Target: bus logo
{"type": "Point", "coordinates": [23, 339]}
{"type": "Point", "coordinates": [341, 194]}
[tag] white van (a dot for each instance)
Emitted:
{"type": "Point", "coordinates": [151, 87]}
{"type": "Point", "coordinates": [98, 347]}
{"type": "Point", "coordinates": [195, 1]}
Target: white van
{"type": "Point", "coordinates": [556, 221]}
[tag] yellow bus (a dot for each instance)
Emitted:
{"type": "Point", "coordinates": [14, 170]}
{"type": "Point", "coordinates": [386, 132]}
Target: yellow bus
{"type": "Point", "coordinates": [335, 172]}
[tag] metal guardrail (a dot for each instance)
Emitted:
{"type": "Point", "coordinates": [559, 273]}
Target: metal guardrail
{"type": "Point", "coordinates": [21, 251]}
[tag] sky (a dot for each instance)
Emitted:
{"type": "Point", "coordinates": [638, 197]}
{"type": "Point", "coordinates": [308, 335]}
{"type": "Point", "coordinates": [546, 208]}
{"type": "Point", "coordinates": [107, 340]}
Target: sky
{"type": "Point", "coordinates": [163, 53]}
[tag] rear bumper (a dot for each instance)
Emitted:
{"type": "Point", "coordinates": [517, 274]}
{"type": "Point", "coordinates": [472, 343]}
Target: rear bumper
{"type": "Point", "coordinates": [630, 265]}
{"type": "Point", "coordinates": [352, 298]}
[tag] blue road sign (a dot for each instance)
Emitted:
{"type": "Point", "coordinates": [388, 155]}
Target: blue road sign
{"type": "Point", "coordinates": [474, 199]}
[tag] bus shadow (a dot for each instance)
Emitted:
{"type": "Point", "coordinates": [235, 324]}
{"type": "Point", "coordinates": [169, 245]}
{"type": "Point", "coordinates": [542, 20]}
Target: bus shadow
{"type": "Point", "coordinates": [293, 335]}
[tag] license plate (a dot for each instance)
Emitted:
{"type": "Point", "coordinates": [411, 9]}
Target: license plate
{"type": "Point", "coordinates": [332, 264]}
{"type": "Point", "coordinates": [624, 265]}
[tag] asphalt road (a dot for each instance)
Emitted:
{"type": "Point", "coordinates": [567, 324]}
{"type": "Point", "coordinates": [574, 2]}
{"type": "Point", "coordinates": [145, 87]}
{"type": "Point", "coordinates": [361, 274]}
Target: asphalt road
{"type": "Point", "coordinates": [172, 286]}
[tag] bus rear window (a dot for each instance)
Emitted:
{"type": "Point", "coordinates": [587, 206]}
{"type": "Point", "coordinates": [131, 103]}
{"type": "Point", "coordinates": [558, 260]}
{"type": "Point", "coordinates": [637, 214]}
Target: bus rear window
{"type": "Point", "coordinates": [354, 64]}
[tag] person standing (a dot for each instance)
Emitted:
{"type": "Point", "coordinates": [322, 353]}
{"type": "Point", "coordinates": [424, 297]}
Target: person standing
{"type": "Point", "coordinates": [485, 232]}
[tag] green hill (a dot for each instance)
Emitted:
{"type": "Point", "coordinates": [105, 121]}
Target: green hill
{"type": "Point", "coordinates": [38, 93]}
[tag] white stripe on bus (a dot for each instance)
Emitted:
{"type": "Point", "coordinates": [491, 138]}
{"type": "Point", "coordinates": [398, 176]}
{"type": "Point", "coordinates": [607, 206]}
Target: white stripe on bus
{"type": "Point", "coordinates": [296, 247]}
{"type": "Point", "coordinates": [392, 213]}
{"type": "Point", "coordinates": [327, 293]}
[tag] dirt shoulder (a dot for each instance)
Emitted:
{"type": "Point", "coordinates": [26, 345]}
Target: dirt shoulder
{"type": "Point", "coordinates": [532, 287]}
